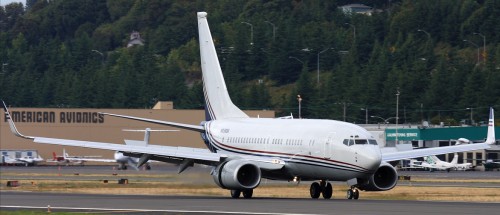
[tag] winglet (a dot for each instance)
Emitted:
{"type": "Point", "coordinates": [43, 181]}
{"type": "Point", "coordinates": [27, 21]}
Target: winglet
{"type": "Point", "coordinates": [11, 123]}
{"type": "Point", "coordinates": [490, 139]}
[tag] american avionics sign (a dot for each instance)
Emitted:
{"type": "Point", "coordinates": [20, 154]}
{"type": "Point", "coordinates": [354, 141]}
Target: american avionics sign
{"type": "Point", "coordinates": [56, 117]}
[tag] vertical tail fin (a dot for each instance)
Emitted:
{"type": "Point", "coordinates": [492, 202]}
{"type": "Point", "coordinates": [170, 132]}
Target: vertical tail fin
{"type": "Point", "coordinates": [146, 135]}
{"type": "Point", "coordinates": [455, 159]}
{"type": "Point", "coordinates": [54, 156]}
{"type": "Point", "coordinates": [490, 138]}
{"type": "Point", "coordinates": [217, 101]}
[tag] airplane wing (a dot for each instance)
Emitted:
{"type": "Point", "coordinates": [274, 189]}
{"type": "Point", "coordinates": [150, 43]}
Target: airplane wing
{"type": "Point", "coordinates": [184, 156]}
{"type": "Point", "coordinates": [181, 153]}
{"type": "Point", "coordinates": [204, 157]}
{"type": "Point", "coordinates": [394, 156]}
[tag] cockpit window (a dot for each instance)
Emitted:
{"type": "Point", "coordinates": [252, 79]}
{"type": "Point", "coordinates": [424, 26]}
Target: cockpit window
{"type": "Point", "coordinates": [361, 141]}
{"type": "Point", "coordinates": [348, 142]}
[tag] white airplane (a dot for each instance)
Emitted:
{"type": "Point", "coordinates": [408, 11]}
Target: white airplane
{"type": "Point", "coordinates": [434, 163]}
{"type": "Point", "coordinates": [119, 157]}
{"type": "Point", "coordinates": [123, 160]}
{"type": "Point", "coordinates": [30, 160]}
{"type": "Point", "coordinates": [243, 150]}
{"type": "Point", "coordinates": [66, 159]}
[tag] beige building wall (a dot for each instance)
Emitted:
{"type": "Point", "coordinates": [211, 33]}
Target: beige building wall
{"type": "Point", "coordinates": [88, 125]}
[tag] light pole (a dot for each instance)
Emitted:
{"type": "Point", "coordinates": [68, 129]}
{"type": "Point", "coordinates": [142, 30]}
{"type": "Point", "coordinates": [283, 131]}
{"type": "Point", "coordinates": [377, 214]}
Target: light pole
{"type": "Point", "coordinates": [484, 46]}
{"type": "Point", "coordinates": [318, 60]}
{"type": "Point", "coordinates": [299, 99]}
{"type": "Point", "coordinates": [3, 67]}
{"type": "Point", "coordinates": [428, 35]}
{"type": "Point", "coordinates": [251, 32]}
{"type": "Point", "coordinates": [354, 29]}
{"type": "Point", "coordinates": [274, 29]}
{"type": "Point", "coordinates": [397, 114]}
{"type": "Point", "coordinates": [471, 112]}
{"type": "Point", "coordinates": [476, 47]}
{"type": "Point", "coordinates": [366, 115]}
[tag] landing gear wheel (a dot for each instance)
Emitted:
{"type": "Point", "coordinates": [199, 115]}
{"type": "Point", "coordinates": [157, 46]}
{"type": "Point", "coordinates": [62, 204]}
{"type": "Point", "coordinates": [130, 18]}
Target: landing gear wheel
{"type": "Point", "coordinates": [350, 194]}
{"type": "Point", "coordinates": [327, 191]}
{"type": "Point", "coordinates": [235, 194]}
{"type": "Point", "coordinates": [247, 194]}
{"type": "Point", "coordinates": [355, 194]}
{"type": "Point", "coordinates": [315, 190]}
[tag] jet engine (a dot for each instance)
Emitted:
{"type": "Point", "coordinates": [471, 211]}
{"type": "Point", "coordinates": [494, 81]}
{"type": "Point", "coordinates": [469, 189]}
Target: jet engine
{"type": "Point", "coordinates": [237, 175]}
{"type": "Point", "coordinates": [385, 178]}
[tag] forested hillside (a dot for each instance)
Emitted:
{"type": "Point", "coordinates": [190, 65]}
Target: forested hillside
{"type": "Point", "coordinates": [441, 56]}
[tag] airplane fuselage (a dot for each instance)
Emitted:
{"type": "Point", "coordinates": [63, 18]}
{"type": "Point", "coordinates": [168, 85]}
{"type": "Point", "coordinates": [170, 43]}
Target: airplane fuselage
{"type": "Point", "coordinates": [311, 149]}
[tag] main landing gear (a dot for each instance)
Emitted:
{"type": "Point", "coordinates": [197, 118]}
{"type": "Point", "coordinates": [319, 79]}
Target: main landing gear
{"type": "Point", "coordinates": [323, 187]}
{"type": "Point", "coordinates": [353, 193]}
{"type": "Point", "coordinates": [247, 194]}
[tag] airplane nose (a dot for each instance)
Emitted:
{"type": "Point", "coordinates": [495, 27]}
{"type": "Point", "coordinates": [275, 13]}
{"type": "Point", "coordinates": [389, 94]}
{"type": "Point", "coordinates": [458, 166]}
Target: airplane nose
{"type": "Point", "coordinates": [371, 157]}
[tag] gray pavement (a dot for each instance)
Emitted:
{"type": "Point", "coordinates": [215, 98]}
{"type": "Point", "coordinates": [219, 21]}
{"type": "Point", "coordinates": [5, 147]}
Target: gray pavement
{"type": "Point", "coordinates": [175, 204]}
{"type": "Point", "coordinates": [131, 204]}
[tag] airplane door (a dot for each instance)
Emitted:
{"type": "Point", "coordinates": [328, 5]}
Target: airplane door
{"type": "Point", "coordinates": [328, 146]}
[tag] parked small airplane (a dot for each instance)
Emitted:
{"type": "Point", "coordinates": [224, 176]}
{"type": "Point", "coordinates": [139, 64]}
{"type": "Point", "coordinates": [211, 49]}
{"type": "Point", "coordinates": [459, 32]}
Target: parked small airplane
{"type": "Point", "coordinates": [66, 159]}
{"type": "Point", "coordinates": [30, 160]}
{"type": "Point", "coordinates": [122, 160]}
{"type": "Point", "coordinates": [434, 163]}
{"type": "Point", "coordinates": [243, 150]}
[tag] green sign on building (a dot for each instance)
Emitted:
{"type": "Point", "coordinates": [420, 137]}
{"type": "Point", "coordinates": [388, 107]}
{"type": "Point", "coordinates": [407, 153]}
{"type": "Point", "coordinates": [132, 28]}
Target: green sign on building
{"type": "Point", "coordinates": [403, 134]}
{"type": "Point", "coordinates": [444, 133]}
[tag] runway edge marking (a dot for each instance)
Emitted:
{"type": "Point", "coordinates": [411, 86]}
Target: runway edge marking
{"type": "Point", "coordinates": [149, 210]}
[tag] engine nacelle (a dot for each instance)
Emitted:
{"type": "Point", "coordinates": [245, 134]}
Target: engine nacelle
{"type": "Point", "coordinates": [385, 178]}
{"type": "Point", "coordinates": [237, 175]}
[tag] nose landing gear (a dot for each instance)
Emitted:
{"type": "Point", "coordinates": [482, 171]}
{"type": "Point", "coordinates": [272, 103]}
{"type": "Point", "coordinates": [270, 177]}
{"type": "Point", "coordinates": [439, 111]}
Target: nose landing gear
{"type": "Point", "coordinates": [352, 193]}
{"type": "Point", "coordinates": [323, 187]}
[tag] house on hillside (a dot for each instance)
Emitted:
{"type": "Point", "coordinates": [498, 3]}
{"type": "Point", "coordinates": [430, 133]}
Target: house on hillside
{"type": "Point", "coordinates": [135, 39]}
{"type": "Point", "coordinates": [359, 9]}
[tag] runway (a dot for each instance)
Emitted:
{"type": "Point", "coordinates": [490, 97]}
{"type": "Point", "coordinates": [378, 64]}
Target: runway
{"type": "Point", "coordinates": [209, 204]}
{"type": "Point", "coordinates": [168, 173]}
{"type": "Point", "coordinates": [147, 204]}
